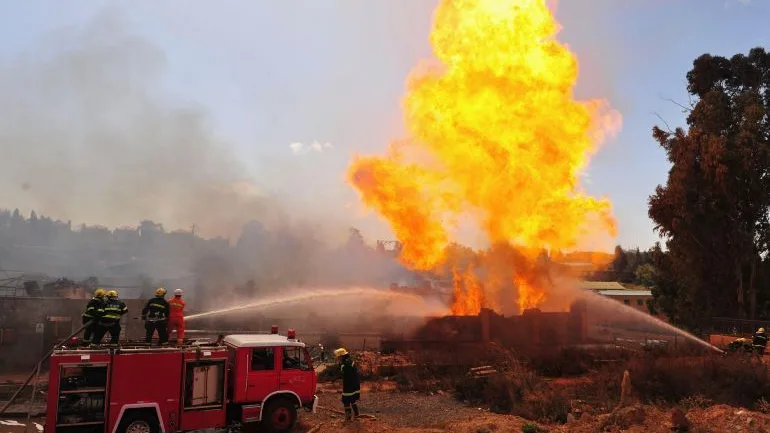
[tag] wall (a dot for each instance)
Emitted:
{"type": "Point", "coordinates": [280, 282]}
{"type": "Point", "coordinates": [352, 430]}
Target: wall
{"type": "Point", "coordinates": [535, 328]}
{"type": "Point", "coordinates": [30, 327]}
{"type": "Point", "coordinates": [634, 301]}
{"type": "Point", "coordinates": [532, 330]}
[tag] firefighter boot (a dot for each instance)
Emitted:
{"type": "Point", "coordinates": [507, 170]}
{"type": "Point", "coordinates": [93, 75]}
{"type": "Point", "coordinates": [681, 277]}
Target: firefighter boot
{"type": "Point", "coordinates": [348, 413]}
{"type": "Point", "coordinates": [355, 410]}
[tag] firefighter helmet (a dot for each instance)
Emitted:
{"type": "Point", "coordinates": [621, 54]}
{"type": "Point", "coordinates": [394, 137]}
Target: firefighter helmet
{"type": "Point", "coordinates": [178, 292]}
{"type": "Point", "coordinates": [340, 352]}
{"type": "Point", "coordinates": [112, 294]}
{"type": "Point", "coordinates": [761, 331]}
{"type": "Point", "coordinates": [160, 292]}
{"type": "Point", "coordinates": [99, 293]}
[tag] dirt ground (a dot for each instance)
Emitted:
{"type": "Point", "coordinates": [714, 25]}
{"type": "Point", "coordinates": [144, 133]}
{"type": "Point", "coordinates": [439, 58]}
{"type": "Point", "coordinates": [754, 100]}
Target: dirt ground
{"type": "Point", "coordinates": [418, 413]}
{"type": "Point", "coordinates": [400, 412]}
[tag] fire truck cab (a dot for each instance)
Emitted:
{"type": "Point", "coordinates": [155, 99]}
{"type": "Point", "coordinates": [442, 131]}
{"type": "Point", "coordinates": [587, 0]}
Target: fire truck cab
{"type": "Point", "coordinates": [238, 380]}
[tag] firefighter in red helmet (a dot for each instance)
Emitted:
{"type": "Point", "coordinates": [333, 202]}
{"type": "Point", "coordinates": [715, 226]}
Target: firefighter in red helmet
{"type": "Point", "coordinates": [176, 316]}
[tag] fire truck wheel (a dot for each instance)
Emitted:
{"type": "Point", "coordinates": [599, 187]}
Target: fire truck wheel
{"type": "Point", "coordinates": [139, 423]}
{"type": "Point", "coordinates": [280, 416]}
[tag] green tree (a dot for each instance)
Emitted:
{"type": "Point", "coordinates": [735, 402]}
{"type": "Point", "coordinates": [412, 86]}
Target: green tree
{"type": "Point", "coordinates": [645, 275]}
{"type": "Point", "coordinates": [713, 209]}
{"type": "Point", "coordinates": [620, 262]}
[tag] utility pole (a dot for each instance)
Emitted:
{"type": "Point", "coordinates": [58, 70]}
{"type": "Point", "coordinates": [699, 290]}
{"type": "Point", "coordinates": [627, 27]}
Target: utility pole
{"type": "Point", "coordinates": [193, 229]}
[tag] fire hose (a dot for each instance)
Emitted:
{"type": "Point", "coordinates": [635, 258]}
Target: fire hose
{"type": "Point", "coordinates": [37, 369]}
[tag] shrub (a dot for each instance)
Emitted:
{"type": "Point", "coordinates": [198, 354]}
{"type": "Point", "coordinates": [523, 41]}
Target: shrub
{"type": "Point", "coordinates": [696, 401]}
{"type": "Point", "coordinates": [545, 404]}
{"type": "Point", "coordinates": [501, 392]}
{"type": "Point", "coordinates": [572, 361]}
{"type": "Point", "coordinates": [763, 406]}
{"type": "Point", "coordinates": [518, 392]}
{"type": "Point", "coordinates": [733, 379]}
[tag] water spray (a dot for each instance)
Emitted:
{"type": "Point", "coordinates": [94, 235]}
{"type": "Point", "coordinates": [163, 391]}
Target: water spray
{"type": "Point", "coordinates": [591, 297]}
{"type": "Point", "coordinates": [306, 296]}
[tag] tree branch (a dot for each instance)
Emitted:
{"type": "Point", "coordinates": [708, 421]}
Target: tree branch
{"type": "Point", "coordinates": [682, 106]}
{"type": "Point", "coordinates": [668, 127]}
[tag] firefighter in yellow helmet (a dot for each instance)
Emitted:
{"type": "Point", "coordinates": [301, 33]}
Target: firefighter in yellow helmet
{"type": "Point", "coordinates": [114, 309]}
{"type": "Point", "coordinates": [155, 316]}
{"type": "Point", "coordinates": [351, 384]}
{"type": "Point", "coordinates": [759, 341]}
{"type": "Point", "coordinates": [94, 311]}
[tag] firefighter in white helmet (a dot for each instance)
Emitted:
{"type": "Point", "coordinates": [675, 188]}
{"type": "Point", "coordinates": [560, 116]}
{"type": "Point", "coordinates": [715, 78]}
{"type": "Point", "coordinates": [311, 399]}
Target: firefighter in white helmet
{"type": "Point", "coordinates": [176, 316]}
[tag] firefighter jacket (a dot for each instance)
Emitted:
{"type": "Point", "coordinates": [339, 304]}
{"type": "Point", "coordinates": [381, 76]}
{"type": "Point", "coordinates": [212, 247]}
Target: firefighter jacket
{"type": "Point", "coordinates": [759, 340]}
{"type": "Point", "coordinates": [351, 384]}
{"type": "Point", "coordinates": [94, 309]}
{"type": "Point", "coordinates": [176, 308]}
{"type": "Point", "coordinates": [114, 309]}
{"type": "Point", "coordinates": [156, 310]}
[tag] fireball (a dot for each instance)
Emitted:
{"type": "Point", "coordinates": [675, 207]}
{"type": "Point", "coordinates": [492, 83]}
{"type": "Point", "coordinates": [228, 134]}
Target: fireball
{"type": "Point", "coordinates": [494, 132]}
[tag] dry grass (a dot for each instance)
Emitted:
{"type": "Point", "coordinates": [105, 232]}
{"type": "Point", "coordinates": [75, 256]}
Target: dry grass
{"type": "Point", "coordinates": [738, 380]}
{"type": "Point", "coordinates": [546, 388]}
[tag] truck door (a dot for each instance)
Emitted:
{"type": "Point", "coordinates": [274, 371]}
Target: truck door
{"type": "Point", "coordinates": [263, 373]}
{"type": "Point", "coordinates": [297, 373]}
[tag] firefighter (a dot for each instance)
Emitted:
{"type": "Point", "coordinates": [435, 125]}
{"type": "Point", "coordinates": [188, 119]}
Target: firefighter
{"type": "Point", "coordinates": [351, 385]}
{"type": "Point", "coordinates": [760, 341]}
{"type": "Point", "coordinates": [114, 309]}
{"type": "Point", "coordinates": [155, 316]}
{"type": "Point", "coordinates": [176, 316]}
{"type": "Point", "coordinates": [94, 310]}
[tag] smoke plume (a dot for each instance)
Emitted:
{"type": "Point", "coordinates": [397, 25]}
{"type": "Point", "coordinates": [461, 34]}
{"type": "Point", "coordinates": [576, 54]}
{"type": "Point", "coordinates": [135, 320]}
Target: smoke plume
{"type": "Point", "coordinates": [87, 134]}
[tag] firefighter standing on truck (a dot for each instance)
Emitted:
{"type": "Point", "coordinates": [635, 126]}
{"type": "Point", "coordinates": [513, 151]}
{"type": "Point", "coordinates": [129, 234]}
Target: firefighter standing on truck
{"type": "Point", "coordinates": [176, 316]}
{"type": "Point", "coordinates": [94, 310]}
{"type": "Point", "coordinates": [114, 309]}
{"type": "Point", "coordinates": [351, 385]}
{"type": "Point", "coordinates": [155, 316]}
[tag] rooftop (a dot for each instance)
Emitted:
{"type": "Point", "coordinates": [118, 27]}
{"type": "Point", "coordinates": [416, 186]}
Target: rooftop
{"type": "Point", "coordinates": [625, 292]}
{"type": "Point", "coordinates": [601, 285]}
{"type": "Point", "coordinates": [261, 340]}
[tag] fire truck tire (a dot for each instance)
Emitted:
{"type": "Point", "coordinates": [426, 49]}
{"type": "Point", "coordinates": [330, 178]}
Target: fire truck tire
{"type": "Point", "coordinates": [141, 422]}
{"type": "Point", "coordinates": [280, 416]}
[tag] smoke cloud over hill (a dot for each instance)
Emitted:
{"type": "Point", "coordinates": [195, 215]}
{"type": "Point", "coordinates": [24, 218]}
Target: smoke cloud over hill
{"type": "Point", "coordinates": [87, 134]}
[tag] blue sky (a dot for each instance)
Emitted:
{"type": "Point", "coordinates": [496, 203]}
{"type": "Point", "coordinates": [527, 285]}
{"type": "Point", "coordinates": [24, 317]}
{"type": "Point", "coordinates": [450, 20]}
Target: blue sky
{"type": "Point", "coordinates": [270, 73]}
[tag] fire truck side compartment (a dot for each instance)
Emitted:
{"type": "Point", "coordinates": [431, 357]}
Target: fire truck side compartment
{"type": "Point", "coordinates": [77, 390]}
{"type": "Point", "coordinates": [146, 380]}
{"type": "Point", "coordinates": [205, 376]}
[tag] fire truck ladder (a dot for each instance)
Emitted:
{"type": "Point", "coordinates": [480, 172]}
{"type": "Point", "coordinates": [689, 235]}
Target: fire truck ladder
{"type": "Point", "coordinates": [37, 369]}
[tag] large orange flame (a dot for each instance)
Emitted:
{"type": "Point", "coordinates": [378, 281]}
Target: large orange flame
{"type": "Point", "coordinates": [468, 294]}
{"type": "Point", "coordinates": [495, 133]}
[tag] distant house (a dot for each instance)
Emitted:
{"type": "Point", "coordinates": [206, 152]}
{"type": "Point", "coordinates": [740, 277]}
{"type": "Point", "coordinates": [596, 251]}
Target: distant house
{"type": "Point", "coordinates": [601, 285]}
{"type": "Point", "coordinates": [638, 299]}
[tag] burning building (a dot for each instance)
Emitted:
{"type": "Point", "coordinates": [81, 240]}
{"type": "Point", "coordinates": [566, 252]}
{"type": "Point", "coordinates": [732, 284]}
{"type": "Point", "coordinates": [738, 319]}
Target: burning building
{"type": "Point", "coordinates": [532, 331]}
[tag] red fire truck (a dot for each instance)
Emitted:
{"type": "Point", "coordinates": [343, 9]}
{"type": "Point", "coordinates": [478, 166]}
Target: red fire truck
{"type": "Point", "coordinates": [238, 380]}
